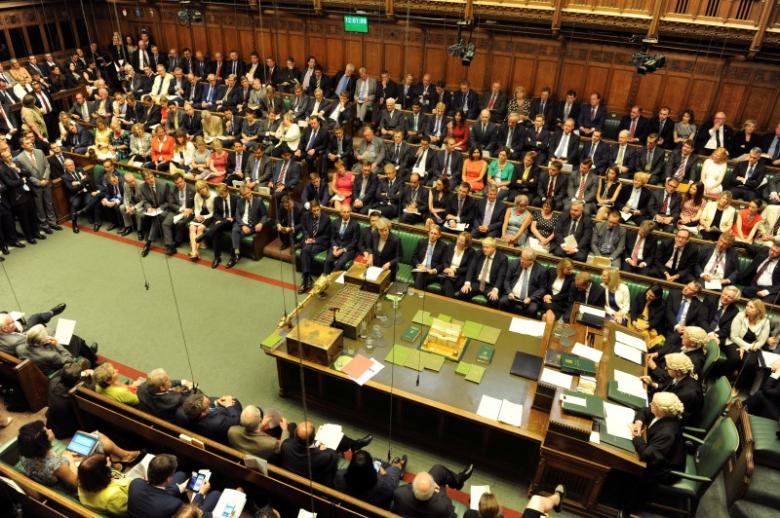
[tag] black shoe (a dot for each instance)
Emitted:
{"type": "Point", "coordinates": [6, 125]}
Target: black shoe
{"type": "Point", "coordinates": [463, 476]}
{"type": "Point", "coordinates": [93, 347]}
{"type": "Point", "coordinates": [401, 462]}
{"type": "Point", "coordinates": [32, 241]}
{"type": "Point", "coordinates": [76, 229]}
{"type": "Point", "coordinates": [59, 308]}
{"type": "Point", "coordinates": [41, 236]}
{"type": "Point", "coordinates": [303, 288]}
{"type": "Point", "coordinates": [216, 262]}
{"type": "Point", "coordinates": [561, 491]}
{"type": "Point", "coordinates": [47, 230]}
{"type": "Point", "coordinates": [170, 250]}
{"type": "Point", "coordinates": [140, 236]}
{"type": "Point", "coordinates": [96, 227]}
{"type": "Point", "coordinates": [5, 250]}
{"type": "Point", "coordinates": [359, 444]}
{"type": "Point", "coordinates": [146, 249]}
{"type": "Point", "coordinates": [232, 261]}
{"type": "Point", "coordinates": [17, 244]}
{"type": "Point", "coordinates": [125, 231]}
{"type": "Point", "coordinates": [284, 246]}
{"type": "Point", "coordinates": [55, 227]}
{"type": "Point", "coordinates": [111, 227]}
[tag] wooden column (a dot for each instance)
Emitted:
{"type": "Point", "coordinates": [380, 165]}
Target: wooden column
{"type": "Point", "coordinates": [763, 22]}
{"type": "Point", "coordinates": [389, 8]}
{"type": "Point", "coordinates": [468, 12]}
{"type": "Point", "coordinates": [652, 30]}
{"type": "Point", "coordinates": [556, 17]}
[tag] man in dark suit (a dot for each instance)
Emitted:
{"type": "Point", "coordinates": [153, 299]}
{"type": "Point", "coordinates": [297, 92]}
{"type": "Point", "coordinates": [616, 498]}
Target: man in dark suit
{"type": "Point", "coordinates": [217, 67]}
{"type": "Point", "coordinates": [81, 108]}
{"type": "Point", "coordinates": [258, 169]}
{"type": "Point", "coordinates": [178, 212]}
{"type": "Point", "coordinates": [190, 121]}
{"type": "Point", "coordinates": [414, 201]}
{"type": "Point", "coordinates": [592, 115]}
{"type": "Point", "coordinates": [486, 274]}
{"type": "Point", "coordinates": [511, 136]}
{"type": "Point", "coordinates": [683, 309]}
{"type": "Point", "coordinates": [714, 134]}
{"type": "Point", "coordinates": [762, 278]}
{"type": "Point", "coordinates": [312, 144]}
{"type": "Point", "coordinates": [640, 249]}
{"type": "Point", "coordinates": [484, 134]}
{"type": "Point", "coordinates": [391, 120]}
{"type": "Point", "coordinates": [343, 242]}
{"type": "Point", "coordinates": [414, 124]}
{"type": "Point", "coordinates": [635, 200]}
{"type": "Point", "coordinates": [622, 156]}
{"type": "Point", "coordinates": [160, 494]}
{"type": "Point", "coordinates": [436, 125]}
{"type": "Point", "coordinates": [423, 162]}
{"type": "Point", "coordinates": [154, 193]}
{"type": "Point", "coordinates": [552, 185]}
{"type": "Point", "coordinates": [289, 219]}
{"type": "Point", "coordinates": [222, 222]}
{"type": "Point", "coordinates": [210, 93]}
{"type": "Point", "coordinates": [460, 208]}
{"type": "Point", "coordinates": [400, 154]}
{"type": "Point", "coordinates": [718, 262]}
{"type": "Point", "coordinates": [488, 215]}
{"type": "Point", "coordinates": [588, 292]}
{"type": "Point", "coordinates": [386, 89]}
{"type": "Point", "coordinates": [161, 396]}
{"type": "Point", "coordinates": [609, 239]}
{"type": "Point", "coordinates": [583, 186]}
{"type": "Point", "coordinates": [635, 124]}
{"type": "Point", "coordinates": [82, 191]}
{"type": "Point", "coordinates": [426, 91]}
{"type": "Point", "coordinates": [339, 148]}
{"type": "Point", "coordinates": [748, 176]}
{"type": "Point", "coordinates": [663, 126]}
{"type": "Point", "coordinates": [237, 163]}
{"type": "Point", "coordinates": [345, 81]}
{"type": "Point", "coordinates": [388, 194]}
{"type": "Point", "coordinates": [597, 151]}
{"type": "Point", "coordinates": [681, 164]}
{"type": "Point", "coordinates": [319, 82]}
{"type": "Point", "coordinates": [650, 160]}
{"type": "Point", "coordinates": [140, 58]}
{"type": "Point", "coordinates": [209, 418]}
{"type": "Point", "coordinates": [250, 218]}
{"type": "Point", "coordinates": [524, 285]}
{"type": "Point", "coordinates": [564, 145]}
{"type": "Point", "coordinates": [234, 65]}
{"type": "Point", "coordinates": [466, 100]}
{"type": "Point", "coordinates": [666, 205]}
{"type": "Point", "coordinates": [543, 105]}
{"type": "Point", "coordinates": [721, 311]}
{"type": "Point", "coordinates": [577, 225]}
{"type": "Point", "coordinates": [427, 496]}
{"type": "Point", "coordinates": [287, 174]}
{"type": "Point", "coordinates": [428, 258]}
{"type": "Point", "coordinates": [569, 108]}
{"type": "Point", "coordinates": [56, 161]}
{"type": "Point", "coordinates": [449, 164]}
{"type": "Point", "coordinates": [675, 259]}
{"type": "Point", "coordinates": [537, 139]}
{"type": "Point", "coordinates": [200, 65]}
{"type": "Point", "coordinates": [316, 238]}
{"type": "Point", "coordinates": [364, 189]}
{"type": "Point", "coordinates": [494, 101]}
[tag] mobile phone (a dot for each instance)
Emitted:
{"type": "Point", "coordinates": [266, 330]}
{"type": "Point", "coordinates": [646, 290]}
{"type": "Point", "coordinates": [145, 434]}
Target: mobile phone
{"type": "Point", "coordinates": [377, 465]}
{"type": "Point", "coordinates": [196, 481]}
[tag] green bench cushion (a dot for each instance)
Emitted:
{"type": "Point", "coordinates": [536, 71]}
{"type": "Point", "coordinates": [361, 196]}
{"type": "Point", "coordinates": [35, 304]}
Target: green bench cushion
{"type": "Point", "coordinates": [766, 445]}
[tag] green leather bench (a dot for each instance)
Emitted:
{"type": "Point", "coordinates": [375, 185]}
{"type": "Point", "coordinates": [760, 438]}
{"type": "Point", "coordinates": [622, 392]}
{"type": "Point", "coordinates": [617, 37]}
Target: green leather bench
{"type": "Point", "coordinates": [766, 445]}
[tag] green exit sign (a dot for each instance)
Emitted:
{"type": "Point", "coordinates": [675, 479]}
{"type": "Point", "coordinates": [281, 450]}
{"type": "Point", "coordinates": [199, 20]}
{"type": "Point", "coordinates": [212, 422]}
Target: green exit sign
{"type": "Point", "coordinates": [355, 23]}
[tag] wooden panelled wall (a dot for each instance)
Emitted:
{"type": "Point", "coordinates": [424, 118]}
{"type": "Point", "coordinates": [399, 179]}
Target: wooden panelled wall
{"type": "Point", "coordinates": [705, 84]}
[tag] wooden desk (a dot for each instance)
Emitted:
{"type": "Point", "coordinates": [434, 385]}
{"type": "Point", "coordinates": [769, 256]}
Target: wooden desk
{"type": "Point", "coordinates": [438, 410]}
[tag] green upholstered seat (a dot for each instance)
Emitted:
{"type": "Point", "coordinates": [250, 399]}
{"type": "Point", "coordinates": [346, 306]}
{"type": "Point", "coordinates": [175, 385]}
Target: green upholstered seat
{"type": "Point", "coordinates": [715, 400]}
{"type": "Point", "coordinates": [746, 509]}
{"type": "Point", "coordinates": [766, 445]}
{"type": "Point", "coordinates": [611, 125]}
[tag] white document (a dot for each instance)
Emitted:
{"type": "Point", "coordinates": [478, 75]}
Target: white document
{"type": "Point", "coordinates": [619, 420]}
{"type": "Point", "coordinates": [231, 503]}
{"type": "Point", "coordinates": [329, 435]}
{"type": "Point", "coordinates": [770, 357]}
{"type": "Point", "coordinates": [373, 273]}
{"type": "Point", "coordinates": [574, 400]}
{"type": "Point", "coordinates": [556, 378]}
{"type": "Point", "coordinates": [629, 353]}
{"type": "Point", "coordinates": [64, 332]}
{"type": "Point", "coordinates": [584, 351]}
{"type": "Point", "coordinates": [139, 470]}
{"type": "Point", "coordinates": [511, 413]}
{"type": "Point", "coordinates": [636, 342]}
{"type": "Point", "coordinates": [370, 372]}
{"type": "Point", "coordinates": [489, 407]}
{"type": "Point", "coordinates": [153, 212]}
{"type": "Point", "coordinates": [303, 513]}
{"type": "Point", "coordinates": [630, 384]}
{"type": "Point", "coordinates": [340, 279]}
{"type": "Point", "coordinates": [458, 227]}
{"type": "Point", "coordinates": [570, 241]}
{"type": "Point", "coordinates": [625, 215]}
{"type": "Point", "coordinates": [476, 494]}
{"type": "Point", "coordinates": [178, 217]}
{"type": "Point", "coordinates": [590, 310]}
{"type": "Point", "coordinates": [528, 327]}
{"type": "Point", "coordinates": [256, 463]}
{"type": "Point", "coordinates": [713, 284]}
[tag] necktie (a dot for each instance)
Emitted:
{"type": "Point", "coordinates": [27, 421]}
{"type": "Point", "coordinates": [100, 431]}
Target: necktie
{"type": "Point", "coordinates": [632, 130]}
{"type": "Point", "coordinates": [210, 95]}
{"type": "Point", "coordinates": [339, 146]}
{"type": "Point", "coordinates": [446, 163]}
{"type": "Point", "coordinates": [592, 114]}
{"type": "Point", "coordinates": [581, 188]}
{"type": "Point", "coordinates": [256, 169]}
{"type": "Point", "coordinates": [524, 284]}
{"type": "Point", "coordinates": [509, 138]}
{"type": "Point", "coordinates": [154, 194]}
{"type": "Point", "coordinates": [219, 69]}
{"type": "Point", "coordinates": [716, 263]}
{"type": "Point", "coordinates": [483, 274]}
{"type": "Point", "coordinates": [44, 103]}
{"type": "Point", "coordinates": [776, 227]}
{"type": "Point", "coordinates": [343, 228]}
{"type": "Point", "coordinates": [714, 323]}
{"type": "Point", "coordinates": [235, 68]}
{"type": "Point", "coordinates": [573, 226]}
{"type": "Point", "coordinates": [282, 173]}
{"type": "Point", "coordinates": [227, 202]}
{"type": "Point", "coordinates": [238, 162]}
{"type": "Point", "coordinates": [563, 146]}
{"type": "Point", "coordinates": [160, 84]}
{"type": "Point", "coordinates": [488, 213]}
{"type": "Point", "coordinates": [32, 160]}
{"type": "Point", "coordinates": [492, 101]}
{"type": "Point", "coordinates": [551, 187]}
{"type": "Point", "coordinates": [419, 160]}
{"type": "Point", "coordinates": [680, 173]}
{"type": "Point", "coordinates": [246, 211]}
{"type": "Point", "coordinates": [761, 270]}
{"type": "Point", "coordinates": [675, 258]}
{"type": "Point", "coordinates": [437, 127]}
{"type": "Point", "coordinates": [541, 107]}
{"type": "Point", "coordinates": [665, 205]}
{"type": "Point", "coordinates": [649, 160]}
{"type": "Point", "coordinates": [6, 119]}
{"type": "Point", "coordinates": [428, 255]}
{"type": "Point", "coordinates": [566, 111]}
{"type": "Point", "coordinates": [620, 155]}
{"type": "Point", "coordinates": [747, 175]}
{"type": "Point", "coordinates": [363, 186]}
{"type": "Point", "coordinates": [683, 308]}
{"type": "Point", "coordinates": [640, 242]}
{"type": "Point", "coordinates": [593, 149]}
{"type": "Point", "coordinates": [315, 226]}
{"type": "Point", "coordinates": [460, 207]}
{"type": "Point", "coordinates": [717, 137]}
{"type": "Point", "coordinates": [311, 140]}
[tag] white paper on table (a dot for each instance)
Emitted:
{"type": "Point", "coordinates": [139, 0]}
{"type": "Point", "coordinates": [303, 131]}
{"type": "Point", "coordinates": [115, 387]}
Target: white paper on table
{"type": "Point", "coordinates": [489, 407]}
{"type": "Point", "coordinates": [570, 241]}
{"type": "Point", "coordinates": [584, 351]}
{"type": "Point", "coordinates": [629, 353]}
{"type": "Point", "coordinates": [713, 284]}
{"type": "Point", "coordinates": [528, 327]}
{"type": "Point", "coordinates": [556, 378]}
{"type": "Point", "coordinates": [231, 503]}
{"type": "Point", "coordinates": [373, 273]}
{"type": "Point", "coordinates": [625, 215]}
{"type": "Point", "coordinates": [574, 400]}
{"type": "Point", "coordinates": [511, 413]}
{"type": "Point", "coordinates": [636, 342]}
{"type": "Point", "coordinates": [630, 384]}
{"type": "Point", "coordinates": [476, 494]}
{"type": "Point", "coordinates": [370, 372]}
{"type": "Point", "coordinates": [340, 279]}
{"type": "Point", "coordinates": [64, 332]}
{"type": "Point", "coordinates": [590, 310]}
{"type": "Point", "coordinates": [619, 420]}
{"type": "Point", "coordinates": [329, 435]}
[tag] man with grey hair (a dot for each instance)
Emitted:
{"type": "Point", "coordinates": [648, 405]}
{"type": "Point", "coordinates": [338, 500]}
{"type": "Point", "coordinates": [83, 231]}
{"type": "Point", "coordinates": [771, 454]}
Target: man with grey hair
{"type": "Point", "coordinates": [748, 176]}
{"type": "Point", "coordinates": [427, 496]}
{"type": "Point", "coordinates": [721, 311]}
{"type": "Point", "coordinates": [345, 82]}
{"type": "Point", "coordinates": [365, 92]}
{"type": "Point", "coordinates": [161, 396]}
{"type": "Point", "coordinates": [258, 434]}
{"type": "Point", "coordinates": [524, 285]}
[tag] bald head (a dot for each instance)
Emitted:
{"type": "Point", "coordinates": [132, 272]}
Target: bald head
{"type": "Point", "coordinates": [423, 486]}
{"type": "Point", "coordinates": [305, 432]}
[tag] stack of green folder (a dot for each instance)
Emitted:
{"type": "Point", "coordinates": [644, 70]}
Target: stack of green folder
{"type": "Point", "coordinates": [573, 364]}
{"type": "Point", "coordinates": [613, 440]}
{"type": "Point", "coordinates": [624, 399]}
{"type": "Point", "coordinates": [594, 406]}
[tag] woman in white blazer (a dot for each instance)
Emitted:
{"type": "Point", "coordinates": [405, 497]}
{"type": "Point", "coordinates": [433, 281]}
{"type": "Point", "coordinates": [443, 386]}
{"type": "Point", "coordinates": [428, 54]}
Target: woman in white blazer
{"type": "Point", "coordinates": [618, 304]}
{"type": "Point", "coordinates": [717, 217]}
{"type": "Point", "coordinates": [203, 212]}
{"type": "Point", "coordinates": [288, 133]}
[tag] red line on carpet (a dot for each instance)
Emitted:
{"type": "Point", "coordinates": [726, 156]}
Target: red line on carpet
{"type": "Point", "coordinates": [184, 257]}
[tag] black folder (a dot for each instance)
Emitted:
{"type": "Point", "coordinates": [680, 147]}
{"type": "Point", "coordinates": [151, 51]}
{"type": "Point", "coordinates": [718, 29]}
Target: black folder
{"type": "Point", "coordinates": [527, 366]}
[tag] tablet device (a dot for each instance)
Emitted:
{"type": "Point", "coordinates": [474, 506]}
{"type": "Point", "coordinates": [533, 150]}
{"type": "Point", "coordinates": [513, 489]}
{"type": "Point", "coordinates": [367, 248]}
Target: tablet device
{"type": "Point", "coordinates": [84, 444]}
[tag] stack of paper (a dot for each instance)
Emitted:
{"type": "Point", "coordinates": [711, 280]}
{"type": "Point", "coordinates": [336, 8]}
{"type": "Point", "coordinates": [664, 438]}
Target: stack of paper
{"type": "Point", "coordinates": [373, 273]}
{"type": "Point", "coordinates": [329, 435]}
{"type": "Point", "coordinates": [501, 410]}
{"type": "Point", "coordinates": [584, 351]}
{"type": "Point", "coordinates": [630, 384]}
{"type": "Point", "coordinates": [64, 331]}
{"type": "Point", "coordinates": [528, 327]}
{"type": "Point", "coordinates": [618, 420]}
{"type": "Point", "coordinates": [630, 340]}
{"type": "Point", "coordinates": [629, 353]}
{"type": "Point", "coordinates": [590, 310]}
{"type": "Point", "coordinates": [556, 378]}
{"type": "Point", "coordinates": [362, 369]}
{"type": "Point", "coordinates": [476, 494]}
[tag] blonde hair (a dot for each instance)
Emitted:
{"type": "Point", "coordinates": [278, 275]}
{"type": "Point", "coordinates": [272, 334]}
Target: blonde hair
{"type": "Point", "coordinates": [613, 279]}
{"type": "Point", "coordinates": [37, 334]}
{"type": "Point", "coordinates": [104, 374]}
{"type": "Point", "coordinates": [563, 263]}
{"type": "Point", "coordinates": [760, 308]}
{"type": "Point", "coordinates": [200, 184]}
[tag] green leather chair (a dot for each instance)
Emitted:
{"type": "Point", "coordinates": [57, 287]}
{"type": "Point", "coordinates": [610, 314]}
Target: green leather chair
{"type": "Point", "coordinates": [715, 400]}
{"type": "Point", "coordinates": [713, 353]}
{"type": "Point", "coordinates": [611, 125]}
{"type": "Point", "coordinates": [766, 445]}
{"type": "Point", "coordinates": [703, 466]}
